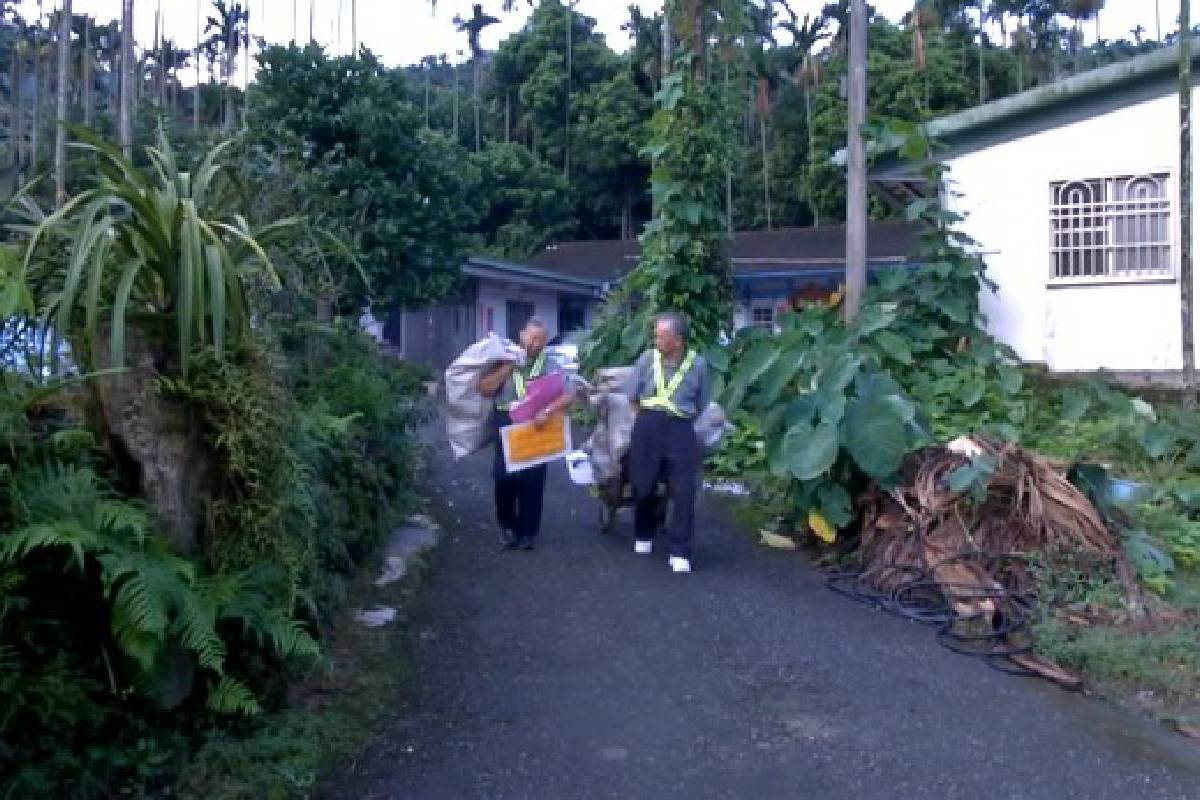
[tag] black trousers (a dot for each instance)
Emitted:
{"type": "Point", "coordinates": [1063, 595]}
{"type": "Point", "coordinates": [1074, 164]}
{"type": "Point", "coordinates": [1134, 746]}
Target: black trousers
{"type": "Point", "coordinates": [664, 447]}
{"type": "Point", "coordinates": [519, 495]}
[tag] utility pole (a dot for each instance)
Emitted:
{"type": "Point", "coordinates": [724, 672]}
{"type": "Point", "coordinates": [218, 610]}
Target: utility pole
{"type": "Point", "coordinates": [354, 27]}
{"type": "Point", "coordinates": [1186, 293]}
{"type": "Point", "coordinates": [856, 167]}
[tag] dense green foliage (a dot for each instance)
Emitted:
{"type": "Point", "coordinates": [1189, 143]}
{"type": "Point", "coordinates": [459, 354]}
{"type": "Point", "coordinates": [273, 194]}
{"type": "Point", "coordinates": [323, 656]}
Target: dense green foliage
{"type": "Point", "coordinates": [119, 651]}
{"type": "Point", "coordinates": [372, 175]}
{"type": "Point", "coordinates": [684, 264]}
{"type": "Point", "coordinates": [786, 108]}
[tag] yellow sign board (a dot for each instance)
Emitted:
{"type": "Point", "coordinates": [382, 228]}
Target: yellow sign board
{"type": "Point", "coordinates": [526, 445]}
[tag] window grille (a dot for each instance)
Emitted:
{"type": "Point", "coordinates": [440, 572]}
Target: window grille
{"type": "Point", "coordinates": [1116, 228]}
{"type": "Point", "coordinates": [763, 317]}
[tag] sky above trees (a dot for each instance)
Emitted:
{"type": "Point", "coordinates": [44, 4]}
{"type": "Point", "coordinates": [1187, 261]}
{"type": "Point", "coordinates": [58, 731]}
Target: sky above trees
{"type": "Point", "coordinates": [402, 31]}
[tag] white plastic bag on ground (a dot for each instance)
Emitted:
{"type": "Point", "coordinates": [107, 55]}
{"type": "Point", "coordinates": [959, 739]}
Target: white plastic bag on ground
{"type": "Point", "coordinates": [467, 411]}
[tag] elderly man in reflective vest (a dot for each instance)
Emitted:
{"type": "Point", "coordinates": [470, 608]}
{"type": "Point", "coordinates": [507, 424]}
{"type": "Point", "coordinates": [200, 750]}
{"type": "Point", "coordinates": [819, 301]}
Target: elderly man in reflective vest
{"type": "Point", "coordinates": [519, 494]}
{"type": "Point", "coordinates": [670, 385]}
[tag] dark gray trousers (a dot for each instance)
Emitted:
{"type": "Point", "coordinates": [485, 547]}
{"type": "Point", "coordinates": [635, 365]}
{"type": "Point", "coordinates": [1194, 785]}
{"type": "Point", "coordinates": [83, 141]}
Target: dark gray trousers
{"type": "Point", "coordinates": [664, 447]}
{"type": "Point", "coordinates": [519, 495]}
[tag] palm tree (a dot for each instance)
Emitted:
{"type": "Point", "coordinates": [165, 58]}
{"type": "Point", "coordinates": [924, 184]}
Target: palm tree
{"type": "Point", "coordinates": [174, 60]}
{"type": "Point", "coordinates": [806, 35]}
{"type": "Point", "coordinates": [196, 91]}
{"type": "Point", "coordinates": [1079, 11]}
{"type": "Point", "coordinates": [87, 60]}
{"type": "Point", "coordinates": [646, 52]}
{"type": "Point", "coordinates": [18, 81]}
{"type": "Point", "coordinates": [60, 134]}
{"type": "Point", "coordinates": [35, 131]}
{"type": "Point", "coordinates": [472, 28]}
{"type": "Point", "coordinates": [229, 34]}
{"type": "Point", "coordinates": [5, 8]}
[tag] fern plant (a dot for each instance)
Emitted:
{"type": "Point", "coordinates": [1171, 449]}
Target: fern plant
{"type": "Point", "coordinates": [157, 600]}
{"type": "Point", "coordinates": [159, 247]}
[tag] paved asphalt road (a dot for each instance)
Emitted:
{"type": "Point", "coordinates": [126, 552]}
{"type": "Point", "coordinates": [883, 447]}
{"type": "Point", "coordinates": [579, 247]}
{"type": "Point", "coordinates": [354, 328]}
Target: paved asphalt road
{"type": "Point", "coordinates": [581, 670]}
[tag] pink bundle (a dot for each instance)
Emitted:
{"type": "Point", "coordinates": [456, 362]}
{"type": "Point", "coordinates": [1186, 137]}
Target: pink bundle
{"type": "Point", "coordinates": [539, 393]}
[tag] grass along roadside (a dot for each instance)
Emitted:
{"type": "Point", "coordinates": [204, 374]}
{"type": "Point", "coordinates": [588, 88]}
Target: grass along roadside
{"type": "Point", "coordinates": [1149, 664]}
{"type": "Point", "coordinates": [331, 712]}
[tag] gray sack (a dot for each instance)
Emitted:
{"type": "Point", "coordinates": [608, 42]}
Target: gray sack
{"type": "Point", "coordinates": [467, 411]}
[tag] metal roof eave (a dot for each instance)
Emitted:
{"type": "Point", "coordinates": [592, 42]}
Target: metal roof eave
{"type": "Point", "coordinates": [504, 270]}
{"type": "Point", "coordinates": [1160, 63]}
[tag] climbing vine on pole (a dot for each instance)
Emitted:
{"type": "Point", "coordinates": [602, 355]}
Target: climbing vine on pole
{"type": "Point", "coordinates": [684, 264]}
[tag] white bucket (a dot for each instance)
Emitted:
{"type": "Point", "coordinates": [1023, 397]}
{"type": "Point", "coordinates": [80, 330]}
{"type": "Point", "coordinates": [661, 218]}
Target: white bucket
{"type": "Point", "coordinates": [579, 467]}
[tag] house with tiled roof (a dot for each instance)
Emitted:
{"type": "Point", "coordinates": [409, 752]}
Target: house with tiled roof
{"type": "Point", "coordinates": [565, 283]}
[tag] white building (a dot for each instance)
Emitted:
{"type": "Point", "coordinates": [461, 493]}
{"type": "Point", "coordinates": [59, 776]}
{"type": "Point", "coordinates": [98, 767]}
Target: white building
{"type": "Point", "coordinates": [1072, 191]}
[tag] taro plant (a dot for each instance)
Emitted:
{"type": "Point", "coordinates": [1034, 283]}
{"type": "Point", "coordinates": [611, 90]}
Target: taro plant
{"type": "Point", "coordinates": [829, 414]}
{"type": "Point", "coordinates": [158, 249]}
{"type": "Point", "coordinates": [839, 405]}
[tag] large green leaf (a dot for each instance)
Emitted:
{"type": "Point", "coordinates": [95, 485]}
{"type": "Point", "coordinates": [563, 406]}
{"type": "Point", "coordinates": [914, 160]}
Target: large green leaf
{"type": "Point", "coordinates": [1011, 379]}
{"type": "Point", "coordinates": [875, 436]}
{"type": "Point", "coordinates": [873, 318]}
{"type": "Point", "coordinates": [972, 392]}
{"type": "Point", "coordinates": [717, 358]}
{"type": "Point", "coordinates": [894, 346]}
{"type": "Point", "coordinates": [1159, 439]}
{"type": "Point", "coordinates": [834, 503]}
{"type": "Point", "coordinates": [790, 361]}
{"type": "Point", "coordinates": [841, 372]}
{"type": "Point", "coordinates": [1075, 403]}
{"type": "Point", "coordinates": [810, 451]}
{"type": "Point", "coordinates": [757, 360]}
{"type": "Point", "coordinates": [801, 410]}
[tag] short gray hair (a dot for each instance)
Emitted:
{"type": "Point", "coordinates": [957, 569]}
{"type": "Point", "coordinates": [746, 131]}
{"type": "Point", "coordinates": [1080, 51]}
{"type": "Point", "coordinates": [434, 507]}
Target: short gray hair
{"type": "Point", "coordinates": [678, 322]}
{"type": "Point", "coordinates": [536, 322]}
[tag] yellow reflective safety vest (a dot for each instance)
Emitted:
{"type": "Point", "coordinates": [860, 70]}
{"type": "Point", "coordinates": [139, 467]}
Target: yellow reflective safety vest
{"type": "Point", "coordinates": [664, 393]}
{"type": "Point", "coordinates": [521, 378]}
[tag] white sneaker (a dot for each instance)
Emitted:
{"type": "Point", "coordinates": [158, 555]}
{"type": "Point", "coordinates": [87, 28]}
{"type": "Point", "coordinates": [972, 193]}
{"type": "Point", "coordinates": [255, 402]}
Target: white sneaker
{"type": "Point", "coordinates": [680, 565]}
{"type": "Point", "coordinates": [643, 547]}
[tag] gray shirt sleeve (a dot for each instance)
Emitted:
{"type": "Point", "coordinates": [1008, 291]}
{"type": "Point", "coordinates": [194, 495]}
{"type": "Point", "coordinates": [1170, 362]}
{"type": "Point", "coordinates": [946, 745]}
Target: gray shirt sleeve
{"type": "Point", "coordinates": [641, 368]}
{"type": "Point", "coordinates": [704, 391]}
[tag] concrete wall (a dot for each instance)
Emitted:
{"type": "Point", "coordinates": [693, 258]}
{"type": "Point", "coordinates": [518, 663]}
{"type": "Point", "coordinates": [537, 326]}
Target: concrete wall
{"type": "Point", "coordinates": [1005, 190]}
{"type": "Point", "coordinates": [492, 306]}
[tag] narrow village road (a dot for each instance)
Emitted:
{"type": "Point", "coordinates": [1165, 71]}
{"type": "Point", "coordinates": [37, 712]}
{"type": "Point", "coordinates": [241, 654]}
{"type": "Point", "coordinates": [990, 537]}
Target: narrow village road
{"type": "Point", "coordinates": [581, 670]}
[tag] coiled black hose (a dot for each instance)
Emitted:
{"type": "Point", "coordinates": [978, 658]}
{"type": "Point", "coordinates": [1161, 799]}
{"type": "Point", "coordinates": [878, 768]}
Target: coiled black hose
{"type": "Point", "coordinates": [919, 597]}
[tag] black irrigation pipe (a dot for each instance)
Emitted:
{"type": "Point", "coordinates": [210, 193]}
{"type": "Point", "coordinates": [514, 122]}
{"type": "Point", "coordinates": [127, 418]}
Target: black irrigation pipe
{"type": "Point", "coordinates": [921, 598]}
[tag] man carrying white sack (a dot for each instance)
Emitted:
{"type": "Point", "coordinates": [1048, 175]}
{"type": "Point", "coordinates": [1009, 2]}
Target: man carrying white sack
{"type": "Point", "coordinates": [671, 387]}
{"type": "Point", "coordinates": [519, 494]}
